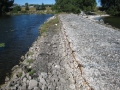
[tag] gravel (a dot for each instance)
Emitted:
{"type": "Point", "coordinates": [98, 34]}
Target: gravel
{"type": "Point", "coordinates": [97, 48]}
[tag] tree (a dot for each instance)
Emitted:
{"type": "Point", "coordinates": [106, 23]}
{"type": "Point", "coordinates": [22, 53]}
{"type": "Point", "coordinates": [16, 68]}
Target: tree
{"type": "Point", "coordinates": [112, 7]}
{"type": "Point", "coordinates": [4, 6]}
{"type": "Point", "coordinates": [37, 7]}
{"type": "Point", "coordinates": [42, 6]}
{"type": "Point", "coordinates": [26, 6]}
{"type": "Point", "coordinates": [88, 5]}
{"type": "Point", "coordinates": [74, 6]}
{"type": "Point", "coordinates": [16, 9]}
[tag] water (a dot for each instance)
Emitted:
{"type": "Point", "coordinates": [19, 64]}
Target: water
{"type": "Point", "coordinates": [18, 33]}
{"type": "Point", "coordinates": [114, 21]}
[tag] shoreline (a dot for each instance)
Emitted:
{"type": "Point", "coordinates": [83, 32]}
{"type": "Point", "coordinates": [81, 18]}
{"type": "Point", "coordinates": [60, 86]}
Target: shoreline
{"type": "Point", "coordinates": [101, 21]}
{"type": "Point", "coordinates": [77, 56]}
{"type": "Point", "coordinates": [92, 17]}
{"type": "Point", "coordinates": [30, 57]}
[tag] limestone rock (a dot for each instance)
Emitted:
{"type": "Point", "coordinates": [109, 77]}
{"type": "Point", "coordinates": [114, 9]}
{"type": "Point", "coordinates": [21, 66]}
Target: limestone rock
{"type": "Point", "coordinates": [32, 84]}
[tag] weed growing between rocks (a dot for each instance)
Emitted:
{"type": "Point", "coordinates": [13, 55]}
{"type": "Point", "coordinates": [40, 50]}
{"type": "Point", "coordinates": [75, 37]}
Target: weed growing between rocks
{"type": "Point", "coordinates": [2, 44]}
{"type": "Point", "coordinates": [30, 53]}
{"type": "Point", "coordinates": [29, 61]}
{"type": "Point", "coordinates": [20, 74]}
{"type": "Point", "coordinates": [31, 72]}
{"type": "Point", "coordinates": [44, 28]}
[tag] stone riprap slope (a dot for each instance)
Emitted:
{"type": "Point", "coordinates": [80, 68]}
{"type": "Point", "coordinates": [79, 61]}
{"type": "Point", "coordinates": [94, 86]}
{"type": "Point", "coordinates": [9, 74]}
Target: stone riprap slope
{"type": "Point", "coordinates": [77, 54]}
{"type": "Point", "coordinates": [48, 65]}
{"type": "Point", "coordinates": [96, 49]}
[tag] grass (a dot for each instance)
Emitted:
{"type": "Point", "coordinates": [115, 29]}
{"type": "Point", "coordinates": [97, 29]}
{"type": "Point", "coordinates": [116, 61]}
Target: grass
{"type": "Point", "coordinates": [100, 12]}
{"type": "Point", "coordinates": [44, 28]}
{"type": "Point", "coordinates": [2, 44]}
{"type": "Point", "coordinates": [30, 53]}
{"type": "Point", "coordinates": [20, 74]}
{"type": "Point", "coordinates": [31, 72]}
{"type": "Point", "coordinates": [29, 61]}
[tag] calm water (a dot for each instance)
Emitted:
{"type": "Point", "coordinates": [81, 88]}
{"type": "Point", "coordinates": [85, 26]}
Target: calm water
{"type": "Point", "coordinates": [18, 33]}
{"type": "Point", "coordinates": [114, 21]}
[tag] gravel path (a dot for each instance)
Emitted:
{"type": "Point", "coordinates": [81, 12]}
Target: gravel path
{"type": "Point", "coordinates": [96, 48]}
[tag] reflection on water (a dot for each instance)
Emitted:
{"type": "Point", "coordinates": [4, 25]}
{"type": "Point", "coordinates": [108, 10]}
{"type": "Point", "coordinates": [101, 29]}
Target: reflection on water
{"type": "Point", "coordinates": [18, 33]}
{"type": "Point", "coordinates": [114, 21]}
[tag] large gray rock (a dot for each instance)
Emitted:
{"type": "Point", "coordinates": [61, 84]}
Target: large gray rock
{"type": "Point", "coordinates": [36, 88]}
{"type": "Point", "coordinates": [7, 79]}
{"type": "Point", "coordinates": [44, 74]}
{"type": "Point", "coordinates": [32, 84]}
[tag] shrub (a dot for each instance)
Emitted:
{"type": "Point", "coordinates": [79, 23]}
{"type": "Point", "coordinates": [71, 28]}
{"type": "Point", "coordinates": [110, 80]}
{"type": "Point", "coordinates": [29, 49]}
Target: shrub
{"type": "Point", "coordinates": [2, 44]}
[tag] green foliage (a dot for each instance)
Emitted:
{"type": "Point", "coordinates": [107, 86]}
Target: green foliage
{"type": "Point", "coordinates": [74, 6]}
{"type": "Point", "coordinates": [42, 6]}
{"type": "Point", "coordinates": [37, 7]}
{"type": "Point", "coordinates": [26, 6]}
{"type": "Point", "coordinates": [30, 53]}
{"type": "Point", "coordinates": [44, 28]}
{"type": "Point", "coordinates": [29, 61]}
{"type": "Point", "coordinates": [112, 7]}
{"type": "Point", "coordinates": [20, 74]}
{"type": "Point", "coordinates": [31, 72]}
{"type": "Point", "coordinates": [4, 6]}
{"type": "Point", "coordinates": [2, 44]}
{"type": "Point", "coordinates": [16, 9]}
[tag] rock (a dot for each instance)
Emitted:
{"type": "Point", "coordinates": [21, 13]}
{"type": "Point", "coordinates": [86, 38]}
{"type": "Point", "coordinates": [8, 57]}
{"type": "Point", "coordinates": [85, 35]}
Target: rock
{"type": "Point", "coordinates": [32, 84]}
{"type": "Point", "coordinates": [22, 58]}
{"type": "Point", "coordinates": [57, 66]}
{"type": "Point", "coordinates": [44, 74]}
{"type": "Point", "coordinates": [7, 79]}
{"type": "Point", "coordinates": [27, 82]}
{"type": "Point", "coordinates": [15, 67]}
{"type": "Point", "coordinates": [12, 83]}
{"type": "Point", "coordinates": [30, 78]}
{"type": "Point", "coordinates": [101, 21]}
{"type": "Point", "coordinates": [62, 80]}
{"type": "Point", "coordinates": [12, 88]}
{"type": "Point", "coordinates": [24, 86]}
{"type": "Point", "coordinates": [42, 80]}
{"type": "Point", "coordinates": [36, 88]}
{"type": "Point", "coordinates": [40, 84]}
{"type": "Point", "coordinates": [72, 86]}
{"type": "Point", "coordinates": [24, 80]}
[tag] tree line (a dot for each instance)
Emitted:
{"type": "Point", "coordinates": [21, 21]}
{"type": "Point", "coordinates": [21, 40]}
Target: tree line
{"type": "Point", "coordinates": [17, 8]}
{"type": "Point", "coordinates": [4, 6]}
{"type": "Point", "coordinates": [112, 7]}
{"type": "Point", "coordinates": [74, 6]}
{"type": "Point", "coordinates": [9, 6]}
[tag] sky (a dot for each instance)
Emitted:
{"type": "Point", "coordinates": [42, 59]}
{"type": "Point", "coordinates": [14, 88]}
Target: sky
{"type": "Point", "coordinates": [22, 2]}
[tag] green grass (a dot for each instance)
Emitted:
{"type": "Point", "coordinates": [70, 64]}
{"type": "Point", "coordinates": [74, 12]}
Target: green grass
{"type": "Point", "coordinates": [44, 28]}
{"type": "Point", "coordinates": [31, 72]}
{"type": "Point", "coordinates": [2, 44]}
{"type": "Point", "coordinates": [100, 12]}
{"type": "Point", "coordinates": [20, 74]}
{"type": "Point", "coordinates": [29, 61]}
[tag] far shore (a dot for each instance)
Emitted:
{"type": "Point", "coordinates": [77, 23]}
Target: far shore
{"type": "Point", "coordinates": [92, 17]}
